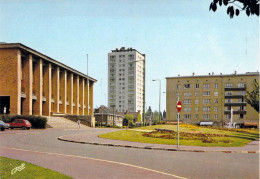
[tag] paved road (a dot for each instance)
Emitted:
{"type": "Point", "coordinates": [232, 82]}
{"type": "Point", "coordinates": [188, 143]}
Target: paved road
{"type": "Point", "coordinates": [92, 161]}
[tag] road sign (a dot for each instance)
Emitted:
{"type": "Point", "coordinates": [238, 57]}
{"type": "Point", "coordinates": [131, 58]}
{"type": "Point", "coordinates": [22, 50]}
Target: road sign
{"type": "Point", "coordinates": [179, 106]}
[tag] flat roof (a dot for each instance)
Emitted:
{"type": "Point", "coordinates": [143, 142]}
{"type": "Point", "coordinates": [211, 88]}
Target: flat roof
{"type": "Point", "coordinates": [123, 49]}
{"type": "Point", "coordinates": [45, 57]}
{"type": "Point", "coordinates": [217, 75]}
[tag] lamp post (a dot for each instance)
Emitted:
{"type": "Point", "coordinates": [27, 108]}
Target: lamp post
{"type": "Point", "coordinates": [143, 116]}
{"type": "Point", "coordinates": [159, 98]}
{"type": "Point", "coordinates": [88, 87]}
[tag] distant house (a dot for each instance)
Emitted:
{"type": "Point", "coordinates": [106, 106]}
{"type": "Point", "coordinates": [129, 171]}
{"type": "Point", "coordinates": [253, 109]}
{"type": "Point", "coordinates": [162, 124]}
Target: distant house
{"type": "Point", "coordinates": [108, 117]}
{"type": "Point", "coordinates": [134, 114]}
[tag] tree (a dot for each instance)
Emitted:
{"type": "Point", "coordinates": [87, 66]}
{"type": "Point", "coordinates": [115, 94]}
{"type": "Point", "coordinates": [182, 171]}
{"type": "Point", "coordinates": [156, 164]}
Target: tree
{"type": "Point", "coordinates": [251, 7]}
{"type": "Point", "coordinates": [128, 120]}
{"type": "Point", "coordinates": [252, 97]}
{"type": "Point", "coordinates": [138, 117]}
{"type": "Point", "coordinates": [164, 114]}
{"type": "Point", "coordinates": [149, 111]}
{"type": "Point", "coordinates": [155, 117]}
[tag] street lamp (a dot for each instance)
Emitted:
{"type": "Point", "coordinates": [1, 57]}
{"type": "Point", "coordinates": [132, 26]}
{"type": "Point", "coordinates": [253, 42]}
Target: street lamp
{"type": "Point", "coordinates": [88, 87]}
{"type": "Point", "coordinates": [159, 99]}
{"type": "Point", "coordinates": [143, 88]}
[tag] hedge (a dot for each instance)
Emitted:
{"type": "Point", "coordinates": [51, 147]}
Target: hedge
{"type": "Point", "coordinates": [37, 122]}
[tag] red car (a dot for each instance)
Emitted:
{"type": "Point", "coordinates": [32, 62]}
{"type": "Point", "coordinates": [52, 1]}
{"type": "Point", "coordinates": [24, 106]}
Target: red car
{"type": "Point", "coordinates": [20, 123]}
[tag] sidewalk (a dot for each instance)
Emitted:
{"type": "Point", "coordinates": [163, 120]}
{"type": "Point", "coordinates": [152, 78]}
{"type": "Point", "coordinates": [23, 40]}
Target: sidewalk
{"type": "Point", "coordinates": [92, 138]}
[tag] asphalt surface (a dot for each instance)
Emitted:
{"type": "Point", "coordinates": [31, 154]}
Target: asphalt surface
{"type": "Point", "coordinates": [92, 138]}
{"type": "Point", "coordinates": [43, 148]}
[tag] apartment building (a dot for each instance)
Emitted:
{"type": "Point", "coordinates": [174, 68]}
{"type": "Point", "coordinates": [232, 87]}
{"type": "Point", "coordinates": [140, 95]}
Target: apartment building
{"type": "Point", "coordinates": [211, 97]}
{"type": "Point", "coordinates": [32, 83]}
{"type": "Point", "coordinates": [126, 80]}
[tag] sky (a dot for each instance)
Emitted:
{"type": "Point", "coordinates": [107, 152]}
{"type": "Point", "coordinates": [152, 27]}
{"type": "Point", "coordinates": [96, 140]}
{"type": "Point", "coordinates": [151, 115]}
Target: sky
{"type": "Point", "coordinates": [178, 37]}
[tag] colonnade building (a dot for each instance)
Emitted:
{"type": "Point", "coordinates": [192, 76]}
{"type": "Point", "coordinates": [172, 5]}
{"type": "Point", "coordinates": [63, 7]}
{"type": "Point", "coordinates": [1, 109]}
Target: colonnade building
{"type": "Point", "coordinates": [211, 98]}
{"type": "Point", "coordinates": [32, 83]}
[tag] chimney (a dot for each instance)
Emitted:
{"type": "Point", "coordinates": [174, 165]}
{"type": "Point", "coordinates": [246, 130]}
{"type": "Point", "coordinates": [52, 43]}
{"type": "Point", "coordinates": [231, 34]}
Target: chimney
{"type": "Point", "coordinates": [235, 72]}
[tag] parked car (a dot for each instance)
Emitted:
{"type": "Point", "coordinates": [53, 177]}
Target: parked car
{"type": "Point", "coordinates": [3, 125]}
{"type": "Point", "coordinates": [20, 123]}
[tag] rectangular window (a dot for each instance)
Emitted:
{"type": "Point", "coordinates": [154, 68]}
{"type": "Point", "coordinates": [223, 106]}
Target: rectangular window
{"type": "Point", "coordinates": [196, 93]}
{"type": "Point", "coordinates": [187, 116]}
{"type": "Point", "coordinates": [215, 116]}
{"type": "Point", "coordinates": [241, 92]}
{"type": "Point", "coordinates": [216, 85]}
{"type": "Point", "coordinates": [206, 101]}
{"type": "Point", "coordinates": [215, 93]}
{"type": "Point", "coordinates": [178, 86]}
{"type": "Point", "coordinates": [197, 86]}
{"type": "Point", "coordinates": [206, 93]}
{"type": "Point", "coordinates": [196, 101]}
{"type": "Point", "coordinates": [216, 109]}
{"type": "Point", "coordinates": [187, 109]}
{"type": "Point", "coordinates": [187, 94]}
{"type": "Point", "coordinates": [206, 116]}
{"type": "Point", "coordinates": [228, 100]}
{"type": "Point", "coordinates": [178, 94]}
{"type": "Point", "coordinates": [206, 86]}
{"type": "Point", "coordinates": [228, 93]}
{"type": "Point", "coordinates": [216, 101]}
{"type": "Point", "coordinates": [228, 85]}
{"type": "Point", "coordinates": [241, 85]}
{"type": "Point", "coordinates": [197, 109]}
{"type": "Point", "coordinates": [227, 116]}
{"type": "Point", "coordinates": [206, 109]}
{"type": "Point", "coordinates": [187, 101]}
{"type": "Point", "coordinates": [186, 86]}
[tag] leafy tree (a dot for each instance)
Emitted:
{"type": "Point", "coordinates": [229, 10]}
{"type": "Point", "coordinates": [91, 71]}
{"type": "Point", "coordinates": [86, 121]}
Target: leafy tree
{"type": "Point", "coordinates": [252, 97]}
{"type": "Point", "coordinates": [128, 119]}
{"type": "Point", "coordinates": [251, 7]}
{"type": "Point", "coordinates": [155, 117]}
{"type": "Point", "coordinates": [138, 117]}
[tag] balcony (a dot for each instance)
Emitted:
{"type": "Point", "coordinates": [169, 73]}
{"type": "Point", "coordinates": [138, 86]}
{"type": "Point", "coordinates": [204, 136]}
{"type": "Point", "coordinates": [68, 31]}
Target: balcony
{"type": "Point", "coordinates": [233, 96]}
{"type": "Point", "coordinates": [235, 88]}
{"type": "Point", "coordinates": [235, 112]}
{"type": "Point", "coordinates": [235, 104]}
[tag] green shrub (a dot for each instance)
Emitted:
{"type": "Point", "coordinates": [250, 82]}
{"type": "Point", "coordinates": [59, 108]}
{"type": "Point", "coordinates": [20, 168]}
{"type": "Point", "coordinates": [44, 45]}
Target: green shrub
{"type": "Point", "coordinates": [37, 122]}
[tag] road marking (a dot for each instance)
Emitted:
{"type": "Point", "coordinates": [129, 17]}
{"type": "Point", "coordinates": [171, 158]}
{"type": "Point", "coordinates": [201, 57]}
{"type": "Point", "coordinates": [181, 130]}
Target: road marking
{"type": "Point", "coordinates": [101, 160]}
{"type": "Point", "coordinates": [18, 133]}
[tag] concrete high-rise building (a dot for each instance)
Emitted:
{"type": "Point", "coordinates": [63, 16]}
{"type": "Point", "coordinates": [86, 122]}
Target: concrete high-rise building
{"type": "Point", "coordinates": [211, 98]}
{"type": "Point", "coordinates": [126, 80]}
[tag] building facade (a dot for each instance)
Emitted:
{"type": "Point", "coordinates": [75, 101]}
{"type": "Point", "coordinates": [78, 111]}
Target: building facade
{"type": "Point", "coordinates": [126, 80]}
{"type": "Point", "coordinates": [105, 116]}
{"type": "Point", "coordinates": [211, 98]}
{"type": "Point", "coordinates": [32, 83]}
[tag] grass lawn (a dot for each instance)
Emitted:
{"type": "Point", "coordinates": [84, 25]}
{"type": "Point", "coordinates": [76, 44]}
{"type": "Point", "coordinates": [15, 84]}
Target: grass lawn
{"type": "Point", "coordinates": [27, 170]}
{"type": "Point", "coordinates": [236, 139]}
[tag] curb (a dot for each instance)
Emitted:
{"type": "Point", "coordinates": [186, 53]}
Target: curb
{"type": "Point", "coordinates": [157, 148]}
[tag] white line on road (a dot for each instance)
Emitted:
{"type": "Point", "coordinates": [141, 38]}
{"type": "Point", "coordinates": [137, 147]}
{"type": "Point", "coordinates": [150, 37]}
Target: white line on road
{"type": "Point", "coordinates": [101, 160]}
